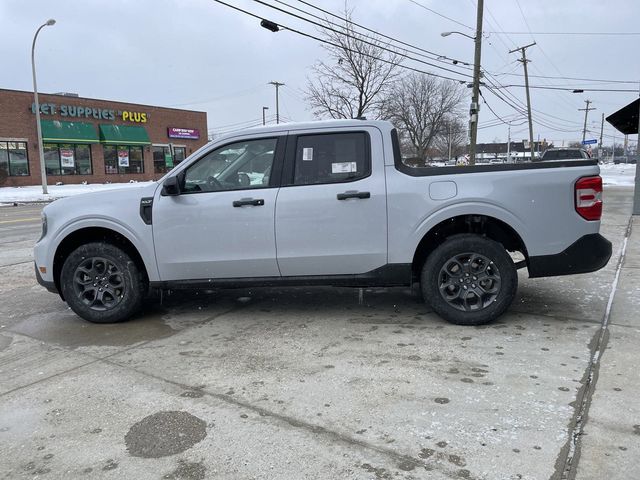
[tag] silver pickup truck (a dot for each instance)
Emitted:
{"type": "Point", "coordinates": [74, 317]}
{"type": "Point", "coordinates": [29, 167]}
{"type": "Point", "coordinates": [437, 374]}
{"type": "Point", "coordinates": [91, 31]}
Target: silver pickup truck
{"type": "Point", "coordinates": [324, 203]}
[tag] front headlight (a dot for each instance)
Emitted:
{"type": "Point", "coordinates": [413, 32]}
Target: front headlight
{"type": "Point", "coordinates": [44, 225]}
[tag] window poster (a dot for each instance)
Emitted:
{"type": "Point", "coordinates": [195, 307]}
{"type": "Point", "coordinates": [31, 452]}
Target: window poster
{"type": "Point", "coordinates": [123, 158]}
{"type": "Point", "coordinates": [66, 158]}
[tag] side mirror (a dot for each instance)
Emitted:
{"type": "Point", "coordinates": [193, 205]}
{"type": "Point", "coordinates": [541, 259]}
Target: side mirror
{"type": "Point", "coordinates": [171, 186]}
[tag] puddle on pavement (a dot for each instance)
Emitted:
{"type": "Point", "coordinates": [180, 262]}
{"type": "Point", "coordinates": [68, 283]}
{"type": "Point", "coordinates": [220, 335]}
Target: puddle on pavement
{"type": "Point", "coordinates": [183, 309]}
{"type": "Point", "coordinates": [165, 433]}
{"type": "Point", "coordinates": [67, 329]}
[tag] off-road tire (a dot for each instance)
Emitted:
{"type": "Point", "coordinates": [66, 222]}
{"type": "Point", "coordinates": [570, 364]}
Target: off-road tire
{"type": "Point", "coordinates": [451, 276]}
{"type": "Point", "coordinates": [106, 271]}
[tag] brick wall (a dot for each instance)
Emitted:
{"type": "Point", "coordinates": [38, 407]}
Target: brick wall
{"type": "Point", "coordinates": [18, 122]}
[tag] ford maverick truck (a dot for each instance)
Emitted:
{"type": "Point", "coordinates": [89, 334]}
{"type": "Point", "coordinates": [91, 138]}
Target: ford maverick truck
{"type": "Point", "coordinates": [325, 203]}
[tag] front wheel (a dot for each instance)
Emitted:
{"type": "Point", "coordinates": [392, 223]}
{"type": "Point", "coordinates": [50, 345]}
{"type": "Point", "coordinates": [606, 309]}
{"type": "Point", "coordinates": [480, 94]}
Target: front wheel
{"type": "Point", "coordinates": [469, 280]}
{"type": "Point", "coordinates": [101, 283]}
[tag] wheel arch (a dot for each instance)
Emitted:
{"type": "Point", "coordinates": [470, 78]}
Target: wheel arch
{"type": "Point", "coordinates": [85, 235]}
{"type": "Point", "coordinates": [484, 225]}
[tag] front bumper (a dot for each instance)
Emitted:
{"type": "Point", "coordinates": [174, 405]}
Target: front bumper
{"type": "Point", "coordinates": [588, 254]}
{"type": "Point", "coordinates": [51, 286]}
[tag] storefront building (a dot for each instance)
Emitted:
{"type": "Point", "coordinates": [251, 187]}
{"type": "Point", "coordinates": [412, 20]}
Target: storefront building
{"type": "Point", "coordinates": [90, 140]}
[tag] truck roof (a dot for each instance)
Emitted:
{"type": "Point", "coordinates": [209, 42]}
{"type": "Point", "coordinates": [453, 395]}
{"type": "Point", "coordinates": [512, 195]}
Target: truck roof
{"type": "Point", "coordinates": [319, 124]}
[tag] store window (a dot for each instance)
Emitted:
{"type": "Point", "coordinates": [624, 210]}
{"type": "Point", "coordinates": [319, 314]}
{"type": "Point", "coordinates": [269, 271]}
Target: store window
{"type": "Point", "coordinates": [179, 154]}
{"type": "Point", "coordinates": [13, 159]}
{"type": "Point", "coordinates": [67, 159]}
{"type": "Point", "coordinates": [123, 159]}
{"type": "Point", "coordinates": [161, 161]}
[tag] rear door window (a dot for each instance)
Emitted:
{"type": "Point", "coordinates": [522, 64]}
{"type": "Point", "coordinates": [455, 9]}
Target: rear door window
{"type": "Point", "coordinates": [331, 158]}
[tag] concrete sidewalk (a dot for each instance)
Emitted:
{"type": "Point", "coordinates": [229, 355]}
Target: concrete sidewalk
{"type": "Point", "coordinates": [609, 446]}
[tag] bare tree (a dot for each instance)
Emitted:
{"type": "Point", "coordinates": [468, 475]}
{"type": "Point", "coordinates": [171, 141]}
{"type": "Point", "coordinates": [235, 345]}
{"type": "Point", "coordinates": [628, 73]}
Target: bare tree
{"type": "Point", "coordinates": [354, 80]}
{"type": "Point", "coordinates": [452, 134]}
{"type": "Point", "coordinates": [419, 104]}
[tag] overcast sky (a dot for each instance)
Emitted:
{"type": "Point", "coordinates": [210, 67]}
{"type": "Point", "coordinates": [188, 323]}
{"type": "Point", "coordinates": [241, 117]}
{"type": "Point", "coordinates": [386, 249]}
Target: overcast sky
{"type": "Point", "coordinates": [201, 55]}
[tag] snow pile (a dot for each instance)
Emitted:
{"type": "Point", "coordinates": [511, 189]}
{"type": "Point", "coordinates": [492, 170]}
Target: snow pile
{"type": "Point", "coordinates": [623, 174]}
{"type": "Point", "coordinates": [34, 193]}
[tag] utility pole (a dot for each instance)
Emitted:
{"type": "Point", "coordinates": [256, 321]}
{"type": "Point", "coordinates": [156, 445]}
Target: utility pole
{"type": "Point", "coordinates": [636, 192]}
{"type": "Point", "coordinates": [600, 144]}
{"type": "Point", "coordinates": [586, 112]}
{"type": "Point", "coordinates": [277, 85]}
{"type": "Point", "coordinates": [508, 143]}
{"type": "Point", "coordinates": [449, 142]}
{"type": "Point", "coordinates": [526, 84]}
{"type": "Point", "coordinates": [264, 120]}
{"type": "Point", "coordinates": [475, 105]}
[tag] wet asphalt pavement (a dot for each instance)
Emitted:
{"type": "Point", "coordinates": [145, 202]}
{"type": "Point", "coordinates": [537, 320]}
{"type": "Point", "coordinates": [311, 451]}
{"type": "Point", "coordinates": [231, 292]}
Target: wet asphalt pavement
{"type": "Point", "coordinates": [309, 383]}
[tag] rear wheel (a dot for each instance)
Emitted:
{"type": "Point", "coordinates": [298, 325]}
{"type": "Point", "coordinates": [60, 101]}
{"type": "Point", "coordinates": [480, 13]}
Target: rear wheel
{"type": "Point", "coordinates": [469, 280]}
{"type": "Point", "coordinates": [102, 284]}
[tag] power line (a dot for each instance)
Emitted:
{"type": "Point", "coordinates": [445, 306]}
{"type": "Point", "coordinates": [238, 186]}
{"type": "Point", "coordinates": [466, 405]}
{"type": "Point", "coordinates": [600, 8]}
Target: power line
{"type": "Point", "coordinates": [566, 33]}
{"type": "Point", "coordinates": [362, 40]}
{"type": "Point", "coordinates": [570, 89]}
{"type": "Point", "coordinates": [441, 15]}
{"type": "Point", "coordinates": [492, 111]}
{"type": "Point", "coordinates": [308, 35]}
{"type": "Point", "coordinates": [224, 127]}
{"type": "Point", "coordinates": [434, 55]}
{"type": "Point", "coordinates": [602, 80]}
{"type": "Point", "coordinates": [239, 93]}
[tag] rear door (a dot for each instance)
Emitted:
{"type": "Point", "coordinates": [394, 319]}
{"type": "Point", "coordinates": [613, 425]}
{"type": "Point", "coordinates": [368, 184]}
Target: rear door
{"type": "Point", "coordinates": [331, 210]}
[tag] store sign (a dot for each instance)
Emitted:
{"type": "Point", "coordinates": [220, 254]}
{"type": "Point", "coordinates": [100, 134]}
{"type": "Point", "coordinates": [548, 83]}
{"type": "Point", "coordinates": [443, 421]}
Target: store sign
{"type": "Point", "coordinates": [123, 158]}
{"type": "Point", "coordinates": [188, 133]}
{"type": "Point", "coordinates": [75, 111]}
{"type": "Point", "coordinates": [66, 158]}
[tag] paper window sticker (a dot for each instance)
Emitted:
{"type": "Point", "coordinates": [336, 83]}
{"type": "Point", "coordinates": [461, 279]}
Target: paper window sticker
{"type": "Point", "coordinates": [344, 167]}
{"type": "Point", "coordinates": [307, 154]}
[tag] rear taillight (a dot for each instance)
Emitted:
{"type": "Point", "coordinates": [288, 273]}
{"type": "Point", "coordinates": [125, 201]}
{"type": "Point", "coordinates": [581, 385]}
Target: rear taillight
{"type": "Point", "coordinates": [589, 197]}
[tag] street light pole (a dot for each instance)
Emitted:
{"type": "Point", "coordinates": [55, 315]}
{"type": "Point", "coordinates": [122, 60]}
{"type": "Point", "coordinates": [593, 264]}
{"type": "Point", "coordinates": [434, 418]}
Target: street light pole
{"type": "Point", "coordinates": [43, 170]}
{"type": "Point", "coordinates": [264, 122]}
{"type": "Point", "coordinates": [475, 95]}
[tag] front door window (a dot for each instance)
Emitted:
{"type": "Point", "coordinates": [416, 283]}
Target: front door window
{"type": "Point", "coordinates": [237, 166]}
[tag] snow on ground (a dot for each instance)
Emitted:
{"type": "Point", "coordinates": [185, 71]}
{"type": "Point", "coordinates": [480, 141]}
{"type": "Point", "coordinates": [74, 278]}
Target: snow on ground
{"type": "Point", "coordinates": [34, 193]}
{"type": "Point", "coordinates": [622, 174]}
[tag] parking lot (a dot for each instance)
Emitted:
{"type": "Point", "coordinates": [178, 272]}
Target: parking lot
{"type": "Point", "coordinates": [323, 382]}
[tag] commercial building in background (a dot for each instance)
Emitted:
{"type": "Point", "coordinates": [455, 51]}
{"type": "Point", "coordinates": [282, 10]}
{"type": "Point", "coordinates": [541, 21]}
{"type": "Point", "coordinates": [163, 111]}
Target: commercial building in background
{"type": "Point", "coordinates": [96, 141]}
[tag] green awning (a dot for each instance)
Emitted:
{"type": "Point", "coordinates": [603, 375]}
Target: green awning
{"type": "Point", "coordinates": [124, 135]}
{"type": "Point", "coordinates": [56, 131]}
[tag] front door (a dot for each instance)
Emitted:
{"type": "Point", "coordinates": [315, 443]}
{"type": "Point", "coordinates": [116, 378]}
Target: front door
{"type": "Point", "coordinates": [331, 214]}
{"type": "Point", "coordinates": [222, 223]}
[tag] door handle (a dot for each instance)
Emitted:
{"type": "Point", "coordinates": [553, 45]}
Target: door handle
{"type": "Point", "coordinates": [256, 202]}
{"type": "Point", "coordinates": [345, 195]}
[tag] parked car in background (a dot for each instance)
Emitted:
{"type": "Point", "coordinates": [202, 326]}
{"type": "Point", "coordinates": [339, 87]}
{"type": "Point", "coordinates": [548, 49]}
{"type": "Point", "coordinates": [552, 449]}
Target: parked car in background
{"type": "Point", "coordinates": [552, 154]}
